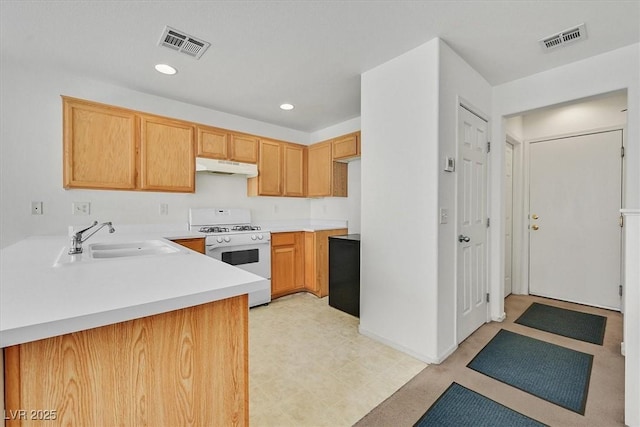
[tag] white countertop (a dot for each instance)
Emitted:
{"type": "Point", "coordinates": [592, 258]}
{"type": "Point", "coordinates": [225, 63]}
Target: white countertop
{"type": "Point", "coordinates": [38, 300]}
{"type": "Point", "coordinates": [302, 225]}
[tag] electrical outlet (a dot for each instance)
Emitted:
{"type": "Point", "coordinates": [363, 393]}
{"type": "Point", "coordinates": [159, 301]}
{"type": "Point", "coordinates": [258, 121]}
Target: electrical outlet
{"type": "Point", "coordinates": [36, 208]}
{"type": "Point", "coordinates": [164, 209]}
{"type": "Point", "coordinates": [81, 208]}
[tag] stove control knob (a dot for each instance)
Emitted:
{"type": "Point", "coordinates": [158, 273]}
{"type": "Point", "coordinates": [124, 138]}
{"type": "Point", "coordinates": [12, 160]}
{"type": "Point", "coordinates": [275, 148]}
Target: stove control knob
{"type": "Point", "coordinates": [260, 236]}
{"type": "Point", "coordinates": [219, 240]}
{"type": "Point", "coordinates": [253, 237]}
{"type": "Point", "coordinates": [227, 239]}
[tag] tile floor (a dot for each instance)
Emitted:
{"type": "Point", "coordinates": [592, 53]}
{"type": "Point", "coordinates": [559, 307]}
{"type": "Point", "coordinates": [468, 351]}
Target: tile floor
{"type": "Point", "coordinates": [309, 366]}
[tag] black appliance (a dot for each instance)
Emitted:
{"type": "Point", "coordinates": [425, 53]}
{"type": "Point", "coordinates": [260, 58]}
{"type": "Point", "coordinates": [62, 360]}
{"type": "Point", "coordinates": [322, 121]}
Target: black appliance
{"type": "Point", "coordinates": [344, 273]}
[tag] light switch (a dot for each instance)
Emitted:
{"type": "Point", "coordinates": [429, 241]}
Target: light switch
{"type": "Point", "coordinates": [444, 215]}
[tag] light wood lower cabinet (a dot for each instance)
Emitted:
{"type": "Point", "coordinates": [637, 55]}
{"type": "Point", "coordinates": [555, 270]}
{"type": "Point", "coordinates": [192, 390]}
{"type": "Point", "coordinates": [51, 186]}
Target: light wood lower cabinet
{"type": "Point", "coordinates": [316, 260]}
{"type": "Point", "coordinates": [287, 263]}
{"type": "Point", "coordinates": [186, 367]}
{"type": "Point", "coordinates": [196, 244]}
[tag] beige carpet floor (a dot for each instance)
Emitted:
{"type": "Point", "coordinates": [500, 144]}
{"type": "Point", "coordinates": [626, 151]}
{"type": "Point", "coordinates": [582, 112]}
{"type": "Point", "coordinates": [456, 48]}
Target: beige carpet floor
{"type": "Point", "coordinates": [605, 401]}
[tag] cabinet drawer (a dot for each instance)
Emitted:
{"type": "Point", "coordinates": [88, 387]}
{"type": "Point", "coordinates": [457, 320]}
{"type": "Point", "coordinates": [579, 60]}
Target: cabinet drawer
{"type": "Point", "coordinates": [283, 239]}
{"type": "Point", "coordinates": [346, 147]}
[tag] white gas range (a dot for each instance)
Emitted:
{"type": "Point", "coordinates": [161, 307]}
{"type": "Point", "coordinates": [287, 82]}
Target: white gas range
{"type": "Point", "coordinates": [231, 238]}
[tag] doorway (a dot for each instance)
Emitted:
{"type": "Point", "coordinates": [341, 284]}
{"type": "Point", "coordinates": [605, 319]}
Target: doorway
{"type": "Point", "coordinates": [472, 296]}
{"type": "Point", "coordinates": [508, 219]}
{"type": "Point", "coordinates": [575, 192]}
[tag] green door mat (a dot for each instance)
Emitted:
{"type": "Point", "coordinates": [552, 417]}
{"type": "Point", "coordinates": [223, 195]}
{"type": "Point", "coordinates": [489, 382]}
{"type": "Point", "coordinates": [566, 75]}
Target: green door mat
{"type": "Point", "coordinates": [551, 372]}
{"type": "Point", "coordinates": [568, 323]}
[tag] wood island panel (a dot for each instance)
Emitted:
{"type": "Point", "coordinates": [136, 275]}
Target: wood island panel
{"type": "Point", "coordinates": [196, 244]}
{"type": "Point", "coordinates": [187, 367]}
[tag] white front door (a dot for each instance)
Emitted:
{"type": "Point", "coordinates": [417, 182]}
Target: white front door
{"type": "Point", "coordinates": [508, 219]}
{"type": "Point", "coordinates": [574, 233]}
{"type": "Point", "coordinates": [471, 223]}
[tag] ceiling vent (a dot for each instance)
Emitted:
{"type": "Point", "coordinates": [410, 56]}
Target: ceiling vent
{"type": "Point", "coordinates": [564, 38]}
{"type": "Point", "coordinates": [182, 42]}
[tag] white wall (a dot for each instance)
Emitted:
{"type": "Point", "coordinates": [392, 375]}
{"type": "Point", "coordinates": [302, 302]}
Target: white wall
{"type": "Point", "coordinates": [609, 72]}
{"type": "Point", "coordinates": [399, 202]}
{"type": "Point", "coordinates": [458, 82]}
{"type": "Point", "coordinates": [31, 160]}
{"type": "Point", "coordinates": [592, 114]}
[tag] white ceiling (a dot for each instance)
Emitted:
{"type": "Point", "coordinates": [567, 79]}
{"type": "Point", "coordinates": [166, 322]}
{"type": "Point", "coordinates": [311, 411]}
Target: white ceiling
{"type": "Point", "coordinates": [309, 53]}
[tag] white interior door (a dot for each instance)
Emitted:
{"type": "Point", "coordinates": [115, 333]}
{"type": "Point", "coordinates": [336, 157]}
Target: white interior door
{"type": "Point", "coordinates": [574, 233]}
{"type": "Point", "coordinates": [508, 219]}
{"type": "Point", "coordinates": [472, 223]}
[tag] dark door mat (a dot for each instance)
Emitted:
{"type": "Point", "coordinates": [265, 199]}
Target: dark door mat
{"type": "Point", "coordinates": [554, 373]}
{"type": "Point", "coordinates": [568, 323]}
{"type": "Point", "coordinates": [459, 406]}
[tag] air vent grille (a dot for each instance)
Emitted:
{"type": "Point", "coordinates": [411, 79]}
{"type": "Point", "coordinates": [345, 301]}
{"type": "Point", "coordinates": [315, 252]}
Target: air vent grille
{"type": "Point", "coordinates": [184, 43]}
{"type": "Point", "coordinates": [565, 37]}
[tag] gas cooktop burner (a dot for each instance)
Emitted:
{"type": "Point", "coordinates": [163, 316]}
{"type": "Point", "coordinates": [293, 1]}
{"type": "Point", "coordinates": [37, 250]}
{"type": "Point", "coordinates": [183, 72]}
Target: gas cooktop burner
{"type": "Point", "coordinates": [214, 229]}
{"type": "Point", "coordinates": [245, 228]}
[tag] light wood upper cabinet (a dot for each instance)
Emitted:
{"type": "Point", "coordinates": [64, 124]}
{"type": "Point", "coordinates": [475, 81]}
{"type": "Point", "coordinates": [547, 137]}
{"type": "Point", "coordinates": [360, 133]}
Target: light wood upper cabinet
{"type": "Point", "coordinates": [213, 143]}
{"type": "Point", "coordinates": [244, 148]}
{"type": "Point", "coordinates": [294, 176]}
{"type": "Point", "coordinates": [269, 168]}
{"type": "Point", "coordinates": [167, 155]}
{"type": "Point", "coordinates": [114, 148]}
{"type": "Point", "coordinates": [347, 146]}
{"type": "Point", "coordinates": [281, 170]}
{"type": "Point", "coordinates": [99, 146]}
{"type": "Point", "coordinates": [326, 178]}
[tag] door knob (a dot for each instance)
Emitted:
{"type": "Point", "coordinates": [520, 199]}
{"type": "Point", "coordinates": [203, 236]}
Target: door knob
{"type": "Point", "coordinates": [463, 238]}
{"type": "Point", "coordinates": [535, 227]}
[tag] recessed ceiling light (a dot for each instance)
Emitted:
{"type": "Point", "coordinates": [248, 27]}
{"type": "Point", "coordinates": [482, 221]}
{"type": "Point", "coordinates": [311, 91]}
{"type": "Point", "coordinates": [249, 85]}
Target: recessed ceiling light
{"type": "Point", "coordinates": [165, 69]}
{"type": "Point", "coordinates": [286, 107]}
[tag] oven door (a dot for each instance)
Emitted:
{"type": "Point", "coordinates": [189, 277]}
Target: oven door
{"type": "Point", "coordinates": [254, 258]}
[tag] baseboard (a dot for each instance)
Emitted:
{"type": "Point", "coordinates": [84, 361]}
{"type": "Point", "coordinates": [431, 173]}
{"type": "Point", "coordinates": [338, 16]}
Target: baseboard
{"type": "Point", "coordinates": [419, 356]}
{"type": "Point", "coordinates": [499, 319]}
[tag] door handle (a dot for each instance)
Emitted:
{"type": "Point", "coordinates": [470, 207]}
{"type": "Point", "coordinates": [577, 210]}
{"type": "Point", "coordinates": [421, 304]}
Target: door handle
{"type": "Point", "coordinates": [463, 238]}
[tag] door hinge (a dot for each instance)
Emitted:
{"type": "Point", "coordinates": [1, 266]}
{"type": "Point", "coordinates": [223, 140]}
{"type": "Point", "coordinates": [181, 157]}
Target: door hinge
{"type": "Point", "coordinates": [488, 146]}
{"type": "Point", "coordinates": [488, 297]}
{"type": "Point", "coordinates": [622, 151]}
{"type": "Point", "coordinates": [620, 290]}
{"type": "Point", "coordinates": [488, 222]}
{"type": "Point", "coordinates": [621, 220]}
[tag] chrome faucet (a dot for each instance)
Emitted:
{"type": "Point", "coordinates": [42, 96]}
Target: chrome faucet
{"type": "Point", "coordinates": [77, 240]}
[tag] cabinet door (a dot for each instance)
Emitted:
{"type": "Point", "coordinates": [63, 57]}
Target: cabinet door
{"type": "Point", "coordinates": [195, 244]}
{"type": "Point", "coordinates": [294, 170]}
{"type": "Point", "coordinates": [213, 143]}
{"type": "Point", "coordinates": [99, 146]}
{"type": "Point", "coordinates": [244, 148]}
{"type": "Point", "coordinates": [347, 146]}
{"type": "Point", "coordinates": [167, 155]}
{"type": "Point", "coordinates": [269, 168]}
{"type": "Point", "coordinates": [320, 170]}
{"type": "Point", "coordinates": [287, 263]}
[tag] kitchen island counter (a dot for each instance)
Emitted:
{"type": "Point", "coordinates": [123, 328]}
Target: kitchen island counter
{"type": "Point", "coordinates": [39, 300]}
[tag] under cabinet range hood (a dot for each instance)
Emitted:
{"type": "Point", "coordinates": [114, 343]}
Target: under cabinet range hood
{"type": "Point", "coordinates": [225, 167]}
